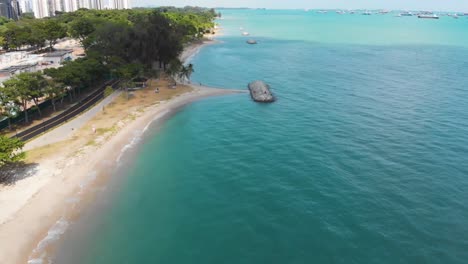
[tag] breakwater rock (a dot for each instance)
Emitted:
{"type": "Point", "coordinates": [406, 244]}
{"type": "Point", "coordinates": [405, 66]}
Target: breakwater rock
{"type": "Point", "coordinates": [260, 92]}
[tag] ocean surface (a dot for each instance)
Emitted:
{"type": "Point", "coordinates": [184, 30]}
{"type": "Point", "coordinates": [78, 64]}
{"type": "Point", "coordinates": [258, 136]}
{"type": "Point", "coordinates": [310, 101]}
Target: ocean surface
{"type": "Point", "coordinates": [363, 158]}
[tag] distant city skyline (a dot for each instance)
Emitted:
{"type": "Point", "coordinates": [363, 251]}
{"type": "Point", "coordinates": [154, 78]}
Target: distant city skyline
{"type": "Point", "coordinates": [434, 5]}
{"type": "Point", "coordinates": [46, 8]}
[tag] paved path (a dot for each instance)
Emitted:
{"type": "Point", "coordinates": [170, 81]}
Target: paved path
{"type": "Point", "coordinates": [66, 130]}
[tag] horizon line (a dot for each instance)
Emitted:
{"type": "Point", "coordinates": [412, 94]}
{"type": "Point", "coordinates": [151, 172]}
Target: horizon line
{"type": "Point", "coordinates": [305, 8]}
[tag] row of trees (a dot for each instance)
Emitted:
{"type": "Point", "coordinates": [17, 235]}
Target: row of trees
{"type": "Point", "coordinates": [118, 43]}
{"type": "Point", "coordinates": [35, 33]}
{"type": "Point", "coordinates": [18, 93]}
{"type": "Point", "coordinates": [187, 23]}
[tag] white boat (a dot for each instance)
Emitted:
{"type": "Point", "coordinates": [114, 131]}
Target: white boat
{"type": "Point", "coordinates": [245, 33]}
{"type": "Point", "coordinates": [406, 14]}
{"type": "Point", "coordinates": [252, 41]}
{"type": "Point", "coordinates": [433, 16]}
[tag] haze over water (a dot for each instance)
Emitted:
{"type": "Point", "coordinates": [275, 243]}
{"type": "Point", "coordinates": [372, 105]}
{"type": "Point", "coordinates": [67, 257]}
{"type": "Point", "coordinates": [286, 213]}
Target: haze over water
{"type": "Point", "coordinates": [363, 158]}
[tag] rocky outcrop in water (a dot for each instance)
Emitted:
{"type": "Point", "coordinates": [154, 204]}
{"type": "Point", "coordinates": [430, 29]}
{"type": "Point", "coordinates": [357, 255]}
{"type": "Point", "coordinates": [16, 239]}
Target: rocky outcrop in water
{"type": "Point", "coordinates": [260, 92]}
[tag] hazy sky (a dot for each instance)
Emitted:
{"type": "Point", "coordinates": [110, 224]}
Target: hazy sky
{"type": "Point", "coordinates": [442, 5]}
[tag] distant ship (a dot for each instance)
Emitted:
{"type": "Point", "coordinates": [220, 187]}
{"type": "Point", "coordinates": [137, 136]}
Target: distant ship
{"type": "Point", "coordinates": [367, 13]}
{"type": "Point", "coordinates": [245, 33]}
{"type": "Point", "coordinates": [406, 14]}
{"type": "Point", "coordinates": [433, 16]}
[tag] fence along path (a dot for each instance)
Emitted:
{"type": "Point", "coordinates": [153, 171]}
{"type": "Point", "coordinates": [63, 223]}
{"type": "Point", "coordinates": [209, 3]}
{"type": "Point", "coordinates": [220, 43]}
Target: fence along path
{"type": "Point", "coordinates": [68, 114]}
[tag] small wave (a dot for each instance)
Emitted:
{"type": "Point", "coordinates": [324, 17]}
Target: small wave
{"type": "Point", "coordinates": [91, 177]}
{"type": "Point", "coordinates": [139, 134]}
{"type": "Point", "coordinates": [132, 143]}
{"type": "Point", "coordinates": [53, 235]}
{"type": "Point", "coordinates": [158, 116]}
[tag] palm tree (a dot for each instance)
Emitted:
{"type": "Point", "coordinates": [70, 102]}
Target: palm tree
{"type": "Point", "coordinates": [188, 71]}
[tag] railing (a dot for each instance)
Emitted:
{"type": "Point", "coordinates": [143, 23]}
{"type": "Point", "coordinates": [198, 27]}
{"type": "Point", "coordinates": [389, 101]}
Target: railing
{"type": "Point", "coordinates": [68, 114]}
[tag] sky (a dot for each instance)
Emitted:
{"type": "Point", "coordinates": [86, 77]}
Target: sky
{"type": "Point", "coordinates": [434, 5]}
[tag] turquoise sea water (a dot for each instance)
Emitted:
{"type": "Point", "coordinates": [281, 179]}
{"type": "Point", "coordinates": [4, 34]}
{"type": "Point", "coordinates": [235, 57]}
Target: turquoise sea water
{"type": "Point", "coordinates": [363, 158]}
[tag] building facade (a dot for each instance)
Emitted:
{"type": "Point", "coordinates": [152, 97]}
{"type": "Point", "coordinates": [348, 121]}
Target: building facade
{"type": "Point", "coordinates": [10, 9]}
{"type": "Point", "coordinates": [119, 4]}
{"type": "Point", "coordinates": [25, 6]}
{"type": "Point", "coordinates": [45, 8]}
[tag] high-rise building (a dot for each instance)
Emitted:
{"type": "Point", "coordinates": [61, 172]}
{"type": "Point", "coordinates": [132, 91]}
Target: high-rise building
{"type": "Point", "coordinates": [69, 5]}
{"type": "Point", "coordinates": [25, 6]}
{"type": "Point", "coordinates": [119, 4]}
{"type": "Point", "coordinates": [41, 8]}
{"type": "Point", "coordinates": [44, 8]}
{"type": "Point", "coordinates": [10, 9]}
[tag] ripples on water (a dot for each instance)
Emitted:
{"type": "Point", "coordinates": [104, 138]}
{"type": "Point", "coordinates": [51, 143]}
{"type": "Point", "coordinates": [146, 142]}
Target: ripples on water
{"type": "Point", "coordinates": [363, 159]}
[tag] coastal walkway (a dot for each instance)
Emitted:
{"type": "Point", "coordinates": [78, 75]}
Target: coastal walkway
{"type": "Point", "coordinates": [65, 130]}
{"type": "Point", "coordinates": [68, 114]}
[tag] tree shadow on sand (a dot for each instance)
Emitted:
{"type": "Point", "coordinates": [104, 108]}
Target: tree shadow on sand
{"type": "Point", "coordinates": [11, 173]}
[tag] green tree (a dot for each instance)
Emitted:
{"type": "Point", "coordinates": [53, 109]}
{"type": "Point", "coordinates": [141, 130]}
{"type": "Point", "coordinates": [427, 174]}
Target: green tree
{"type": "Point", "coordinates": [8, 108]}
{"type": "Point", "coordinates": [23, 88]}
{"type": "Point", "coordinates": [38, 35]}
{"type": "Point", "coordinates": [54, 91]}
{"type": "Point", "coordinates": [4, 20]}
{"type": "Point", "coordinates": [53, 30]}
{"type": "Point", "coordinates": [186, 72]}
{"type": "Point", "coordinates": [81, 28]}
{"type": "Point", "coordinates": [128, 72]}
{"type": "Point", "coordinates": [69, 75]}
{"type": "Point", "coordinates": [11, 150]}
{"type": "Point", "coordinates": [175, 68]}
{"type": "Point", "coordinates": [27, 15]}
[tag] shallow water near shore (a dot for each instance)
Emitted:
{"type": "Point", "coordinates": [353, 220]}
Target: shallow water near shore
{"type": "Point", "coordinates": [363, 158]}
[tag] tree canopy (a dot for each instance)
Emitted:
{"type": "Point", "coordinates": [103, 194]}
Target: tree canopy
{"type": "Point", "coordinates": [10, 150]}
{"type": "Point", "coordinates": [117, 43]}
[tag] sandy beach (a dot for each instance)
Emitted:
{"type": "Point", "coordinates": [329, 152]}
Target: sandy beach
{"type": "Point", "coordinates": [43, 198]}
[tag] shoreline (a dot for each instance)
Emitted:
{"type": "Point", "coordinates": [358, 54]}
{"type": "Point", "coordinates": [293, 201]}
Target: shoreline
{"type": "Point", "coordinates": [63, 185]}
{"type": "Point", "coordinates": [47, 214]}
{"type": "Point", "coordinates": [192, 49]}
